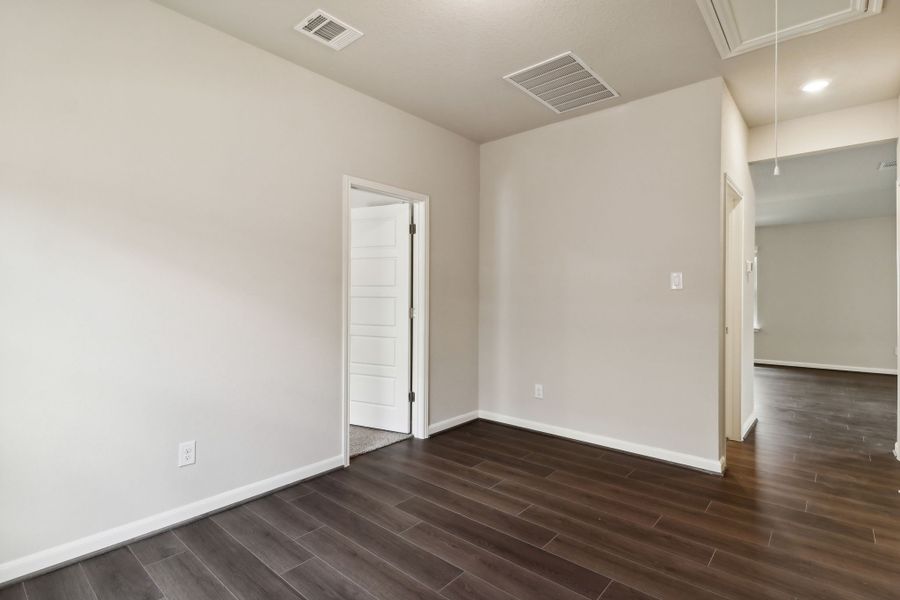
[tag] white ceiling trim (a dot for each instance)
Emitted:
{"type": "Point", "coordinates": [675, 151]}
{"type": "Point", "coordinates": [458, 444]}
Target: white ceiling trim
{"type": "Point", "coordinates": [723, 26]}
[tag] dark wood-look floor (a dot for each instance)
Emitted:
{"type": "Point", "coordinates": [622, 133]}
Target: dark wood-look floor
{"type": "Point", "coordinates": [809, 509]}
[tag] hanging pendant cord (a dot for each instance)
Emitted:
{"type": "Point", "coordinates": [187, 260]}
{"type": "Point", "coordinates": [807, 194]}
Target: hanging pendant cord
{"type": "Point", "coordinates": [777, 170]}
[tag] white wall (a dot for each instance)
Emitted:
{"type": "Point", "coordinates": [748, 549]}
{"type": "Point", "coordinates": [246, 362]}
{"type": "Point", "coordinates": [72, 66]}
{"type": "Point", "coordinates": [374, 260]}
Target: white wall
{"type": "Point", "coordinates": [170, 267]}
{"type": "Point", "coordinates": [828, 293]}
{"type": "Point", "coordinates": [581, 224]}
{"type": "Point", "coordinates": [864, 124]}
{"type": "Point", "coordinates": [735, 165]}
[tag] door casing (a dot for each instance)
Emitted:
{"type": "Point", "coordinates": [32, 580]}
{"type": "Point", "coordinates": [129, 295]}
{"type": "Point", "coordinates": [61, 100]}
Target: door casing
{"type": "Point", "coordinates": [419, 203]}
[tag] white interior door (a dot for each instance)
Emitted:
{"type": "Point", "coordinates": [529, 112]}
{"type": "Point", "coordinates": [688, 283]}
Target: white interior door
{"type": "Point", "coordinates": [379, 374]}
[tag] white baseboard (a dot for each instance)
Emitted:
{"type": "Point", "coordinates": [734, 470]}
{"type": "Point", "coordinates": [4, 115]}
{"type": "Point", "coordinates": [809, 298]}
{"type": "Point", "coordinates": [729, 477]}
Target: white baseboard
{"type": "Point", "coordinates": [710, 465]}
{"type": "Point", "coordinates": [452, 422]}
{"type": "Point", "coordinates": [95, 543]}
{"type": "Point", "coordinates": [805, 365]}
{"type": "Point", "coordinates": [749, 424]}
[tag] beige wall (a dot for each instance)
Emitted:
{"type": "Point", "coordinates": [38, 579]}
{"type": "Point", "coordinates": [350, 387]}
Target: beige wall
{"type": "Point", "coordinates": [853, 126]}
{"type": "Point", "coordinates": [828, 293]}
{"type": "Point", "coordinates": [735, 166]}
{"type": "Point", "coordinates": [581, 224]}
{"type": "Point", "coordinates": [170, 265]}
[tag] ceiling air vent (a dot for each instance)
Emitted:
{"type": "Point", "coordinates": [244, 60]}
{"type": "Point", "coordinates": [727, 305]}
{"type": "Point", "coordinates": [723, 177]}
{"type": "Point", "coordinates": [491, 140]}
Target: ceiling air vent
{"type": "Point", "coordinates": [562, 83]}
{"type": "Point", "coordinates": [887, 164]}
{"type": "Point", "coordinates": [332, 32]}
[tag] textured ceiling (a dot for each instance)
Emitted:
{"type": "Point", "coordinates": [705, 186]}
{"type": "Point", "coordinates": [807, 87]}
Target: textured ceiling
{"type": "Point", "coordinates": [841, 184]}
{"type": "Point", "coordinates": [443, 60]}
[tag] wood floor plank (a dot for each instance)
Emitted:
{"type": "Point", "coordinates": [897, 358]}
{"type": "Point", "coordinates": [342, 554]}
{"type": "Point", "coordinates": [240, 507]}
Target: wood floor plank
{"type": "Point", "coordinates": [68, 583]}
{"type": "Point", "coordinates": [723, 489]}
{"type": "Point", "coordinates": [502, 521]}
{"type": "Point", "coordinates": [563, 572]}
{"type": "Point", "coordinates": [796, 521]}
{"type": "Point", "coordinates": [524, 451]}
{"type": "Point", "coordinates": [527, 489]}
{"type": "Point", "coordinates": [382, 491]}
{"type": "Point", "coordinates": [235, 566]}
{"type": "Point", "coordinates": [499, 572]}
{"type": "Point", "coordinates": [183, 577]}
{"type": "Point", "coordinates": [450, 454]}
{"type": "Point", "coordinates": [810, 583]}
{"type": "Point", "coordinates": [497, 457]}
{"type": "Point", "coordinates": [276, 550]}
{"type": "Point", "coordinates": [639, 551]}
{"type": "Point", "coordinates": [378, 512]}
{"type": "Point", "coordinates": [293, 492]}
{"type": "Point", "coordinates": [369, 572]}
{"type": "Point", "coordinates": [635, 575]}
{"type": "Point", "coordinates": [757, 533]}
{"type": "Point", "coordinates": [619, 533]}
{"type": "Point", "coordinates": [283, 516]}
{"type": "Point", "coordinates": [468, 587]}
{"type": "Point", "coordinates": [696, 499]}
{"type": "Point", "coordinates": [430, 570]}
{"type": "Point", "coordinates": [413, 451]}
{"type": "Point", "coordinates": [315, 580]}
{"type": "Point", "coordinates": [13, 592]}
{"type": "Point", "coordinates": [617, 591]}
{"type": "Point", "coordinates": [791, 565]}
{"type": "Point", "coordinates": [118, 574]}
{"type": "Point", "coordinates": [492, 443]}
{"type": "Point", "coordinates": [156, 548]}
{"type": "Point", "coordinates": [449, 483]}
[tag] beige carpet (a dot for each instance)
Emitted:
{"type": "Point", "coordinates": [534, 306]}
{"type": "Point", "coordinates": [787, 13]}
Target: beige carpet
{"type": "Point", "coordinates": [364, 439]}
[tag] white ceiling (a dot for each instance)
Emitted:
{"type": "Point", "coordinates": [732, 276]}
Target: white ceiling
{"type": "Point", "coordinates": [840, 184]}
{"type": "Point", "coordinates": [444, 60]}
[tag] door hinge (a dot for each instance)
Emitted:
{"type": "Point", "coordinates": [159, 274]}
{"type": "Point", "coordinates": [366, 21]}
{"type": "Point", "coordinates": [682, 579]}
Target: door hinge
{"type": "Point", "coordinates": [412, 229]}
{"type": "Point", "coordinates": [412, 312]}
{"type": "Point", "coordinates": [412, 397]}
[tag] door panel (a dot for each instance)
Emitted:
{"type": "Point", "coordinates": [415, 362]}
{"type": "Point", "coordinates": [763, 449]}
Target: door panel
{"type": "Point", "coordinates": [379, 377]}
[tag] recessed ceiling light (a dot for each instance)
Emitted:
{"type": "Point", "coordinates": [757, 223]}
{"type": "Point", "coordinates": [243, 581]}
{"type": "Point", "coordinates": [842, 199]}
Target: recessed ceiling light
{"type": "Point", "coordinates": [815, 86]}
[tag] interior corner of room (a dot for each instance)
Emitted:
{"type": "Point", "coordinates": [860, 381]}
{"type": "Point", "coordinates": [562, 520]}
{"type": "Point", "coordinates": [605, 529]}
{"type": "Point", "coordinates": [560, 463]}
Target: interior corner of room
{"type": "Point", "coordinates": [422, 300]}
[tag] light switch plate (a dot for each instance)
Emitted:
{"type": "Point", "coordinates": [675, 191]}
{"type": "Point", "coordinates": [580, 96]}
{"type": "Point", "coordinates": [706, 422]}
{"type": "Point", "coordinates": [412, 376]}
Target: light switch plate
{"type": "Point", "coordinates": [676, 281]}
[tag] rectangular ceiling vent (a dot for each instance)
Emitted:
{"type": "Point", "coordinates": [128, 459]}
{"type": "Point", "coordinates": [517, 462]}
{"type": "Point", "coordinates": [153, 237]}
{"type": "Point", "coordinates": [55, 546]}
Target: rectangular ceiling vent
{"type": "Point", "coordinates": [332, 32]}
{"type": "Point", "coordinates": [887, 164]}
{"type": "Point", "coordinates": [562, 83]}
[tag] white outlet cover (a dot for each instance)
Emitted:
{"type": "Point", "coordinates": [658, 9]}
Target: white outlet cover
{"type": "Point", "coordinates": [187, 453]}
{"type": "Point", "coordinates": [676, 280]}
{"type": "Point", "coordinates": [538, 390]}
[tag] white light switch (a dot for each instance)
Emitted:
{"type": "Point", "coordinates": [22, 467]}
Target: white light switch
{"type": "Point", "coordinates": [676, 281]}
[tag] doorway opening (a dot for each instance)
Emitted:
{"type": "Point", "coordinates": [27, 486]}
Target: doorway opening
{"type": "Point", "coordinates": [826, 328]}
{"type": "Point", "coordinates": [385, 316]}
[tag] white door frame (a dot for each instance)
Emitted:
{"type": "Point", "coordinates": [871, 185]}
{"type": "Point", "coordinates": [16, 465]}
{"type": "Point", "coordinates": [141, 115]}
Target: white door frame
{"type": "Point", "coordinates": [733, 327]}
{"type": "Point", "coordinates": [419, 205]}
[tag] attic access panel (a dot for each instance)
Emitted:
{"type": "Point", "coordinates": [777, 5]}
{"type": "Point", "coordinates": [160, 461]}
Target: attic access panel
{"type": "Point", "coordinates": [739, 26]}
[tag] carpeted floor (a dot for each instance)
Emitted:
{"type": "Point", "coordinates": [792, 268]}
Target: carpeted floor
{"type": "Point", "coordinates": [364, 439]}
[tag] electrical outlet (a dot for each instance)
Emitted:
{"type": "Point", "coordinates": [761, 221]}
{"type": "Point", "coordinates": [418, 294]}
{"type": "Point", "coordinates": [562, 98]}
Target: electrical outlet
{"type": "Point", "coordinates": [538, 391]}
{"type": "Point", "coordinates": [187, 453]}
{"type": "Point", "coordinates": [676, 281]}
